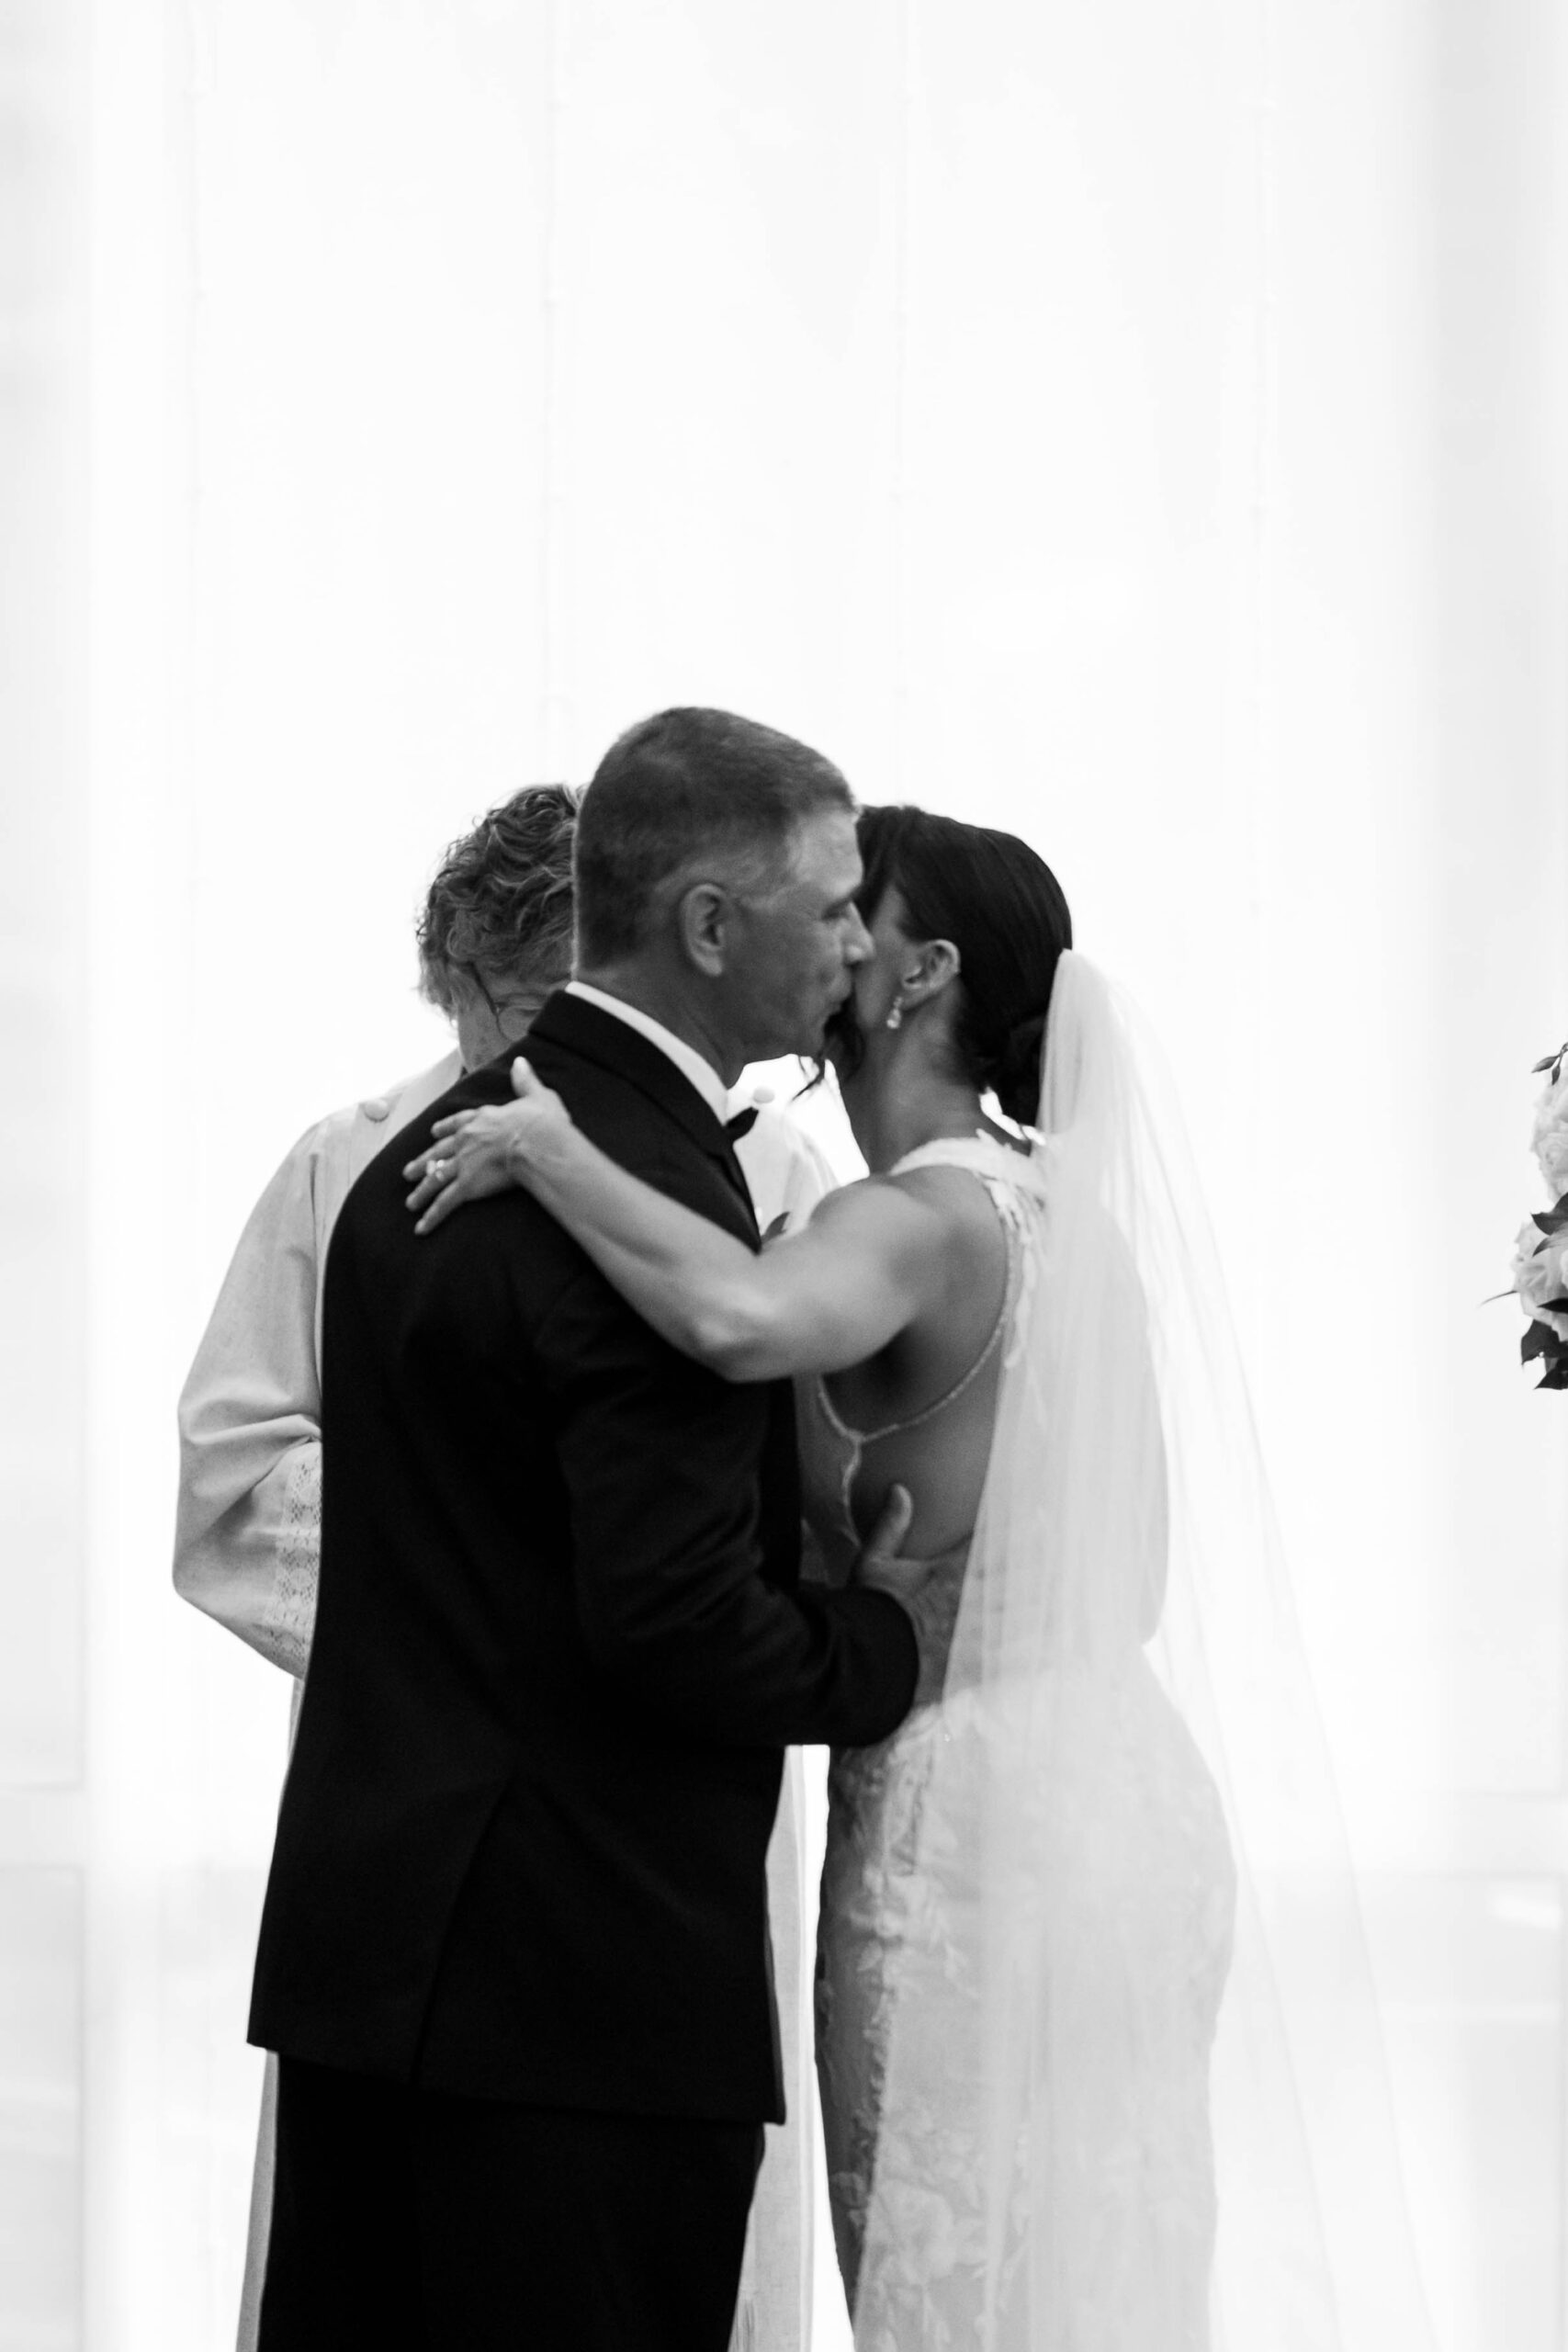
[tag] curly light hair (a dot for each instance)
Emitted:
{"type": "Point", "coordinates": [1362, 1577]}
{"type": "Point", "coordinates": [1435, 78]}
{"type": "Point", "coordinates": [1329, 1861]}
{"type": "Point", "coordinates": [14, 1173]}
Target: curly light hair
{"type": "Point", "coordinates": [500, 909]}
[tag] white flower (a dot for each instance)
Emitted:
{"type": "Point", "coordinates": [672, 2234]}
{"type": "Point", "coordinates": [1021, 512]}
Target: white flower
{"type": "Point", "coordinates": [1541, 1274]}
{"type": "Point", "coordinates": [1551, 1113]}
{"type": "Point", "coordinates": [1551, 1157]}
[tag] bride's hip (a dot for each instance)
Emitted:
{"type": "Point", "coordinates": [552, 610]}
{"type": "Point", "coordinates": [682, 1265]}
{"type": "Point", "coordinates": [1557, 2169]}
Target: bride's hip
{"type": "Point", "coordinates": [1066, 1762]}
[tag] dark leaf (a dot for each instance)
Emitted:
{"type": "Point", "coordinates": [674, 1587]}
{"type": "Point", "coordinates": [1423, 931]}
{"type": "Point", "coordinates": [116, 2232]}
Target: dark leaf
{"type": "Point", "coordinates": [1549, 1221]}
{"type": "Point", "coordinates": [1555, 1375]}
{"type": "Point", "coordinates": [1540, 1340]}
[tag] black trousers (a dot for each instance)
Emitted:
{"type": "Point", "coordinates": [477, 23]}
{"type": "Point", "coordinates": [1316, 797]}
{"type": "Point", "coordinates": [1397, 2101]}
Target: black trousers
{"type": "Point", "coordinates": [409, 2221]}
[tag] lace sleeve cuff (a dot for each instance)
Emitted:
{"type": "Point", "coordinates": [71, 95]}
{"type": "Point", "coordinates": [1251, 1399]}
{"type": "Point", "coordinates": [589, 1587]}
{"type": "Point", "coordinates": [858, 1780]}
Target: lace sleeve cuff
{"type": "Point", "coordinates": [291, 1609]}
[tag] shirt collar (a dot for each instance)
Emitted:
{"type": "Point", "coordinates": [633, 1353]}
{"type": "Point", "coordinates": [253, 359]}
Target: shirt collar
{"type": "Point", "coordinates": [687, 1060]}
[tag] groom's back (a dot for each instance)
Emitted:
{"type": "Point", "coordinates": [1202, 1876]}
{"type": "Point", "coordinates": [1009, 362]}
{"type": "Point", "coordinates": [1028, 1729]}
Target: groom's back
{"type": "Point", "coordinates": [498, 1869]}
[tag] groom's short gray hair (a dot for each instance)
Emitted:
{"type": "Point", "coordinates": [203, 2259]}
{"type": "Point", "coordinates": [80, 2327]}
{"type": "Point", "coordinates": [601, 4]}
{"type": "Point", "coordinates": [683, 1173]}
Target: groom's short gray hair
{"type": "Point", "coordinates": [678, 788]}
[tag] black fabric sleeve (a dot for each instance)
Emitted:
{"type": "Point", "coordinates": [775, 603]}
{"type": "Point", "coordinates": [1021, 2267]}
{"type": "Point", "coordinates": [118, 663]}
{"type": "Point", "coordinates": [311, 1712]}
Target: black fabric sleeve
{"type": "Point", "coordinates": [659, 1457]}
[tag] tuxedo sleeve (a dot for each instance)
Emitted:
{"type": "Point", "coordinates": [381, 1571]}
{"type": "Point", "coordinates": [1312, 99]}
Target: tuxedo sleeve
{"type": "Point", "coordinates": [660, 1458]}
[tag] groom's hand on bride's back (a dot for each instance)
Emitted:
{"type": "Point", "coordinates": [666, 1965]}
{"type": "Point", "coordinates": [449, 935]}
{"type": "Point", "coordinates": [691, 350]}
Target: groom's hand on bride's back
{"type": "Point", "coordinates": [928, 1589]}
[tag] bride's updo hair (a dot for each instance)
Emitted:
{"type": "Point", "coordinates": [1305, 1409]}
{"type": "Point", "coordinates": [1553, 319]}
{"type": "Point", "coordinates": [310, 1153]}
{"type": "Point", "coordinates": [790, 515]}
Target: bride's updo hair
{"type": "Point", "coordinates": [1002, 907]}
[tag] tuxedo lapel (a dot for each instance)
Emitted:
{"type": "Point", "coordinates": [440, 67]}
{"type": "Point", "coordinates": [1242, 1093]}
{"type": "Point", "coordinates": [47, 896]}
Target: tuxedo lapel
{"type": "Point", "coordinates": [587, 1031]}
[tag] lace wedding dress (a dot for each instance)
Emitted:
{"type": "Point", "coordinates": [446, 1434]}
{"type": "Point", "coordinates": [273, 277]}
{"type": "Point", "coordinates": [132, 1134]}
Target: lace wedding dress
{"type": "Point", "coordinates": [1127, 1850]}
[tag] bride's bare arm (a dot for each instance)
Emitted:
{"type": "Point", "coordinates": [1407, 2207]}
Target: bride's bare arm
{"type": "Point", "coordinates": [868, 1262]}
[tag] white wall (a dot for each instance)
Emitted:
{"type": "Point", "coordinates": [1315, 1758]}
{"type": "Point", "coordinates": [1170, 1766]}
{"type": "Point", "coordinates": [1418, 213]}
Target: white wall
{"type": "Point", "coordinates": [1141, 429]}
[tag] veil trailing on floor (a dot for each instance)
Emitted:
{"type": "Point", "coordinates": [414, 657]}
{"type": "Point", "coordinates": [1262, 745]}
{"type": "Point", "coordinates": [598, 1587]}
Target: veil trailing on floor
{"type": "Point", "coordinates": [1134, 2098]}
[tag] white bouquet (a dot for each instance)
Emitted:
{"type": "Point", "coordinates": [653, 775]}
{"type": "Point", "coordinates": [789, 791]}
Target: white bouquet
{"type": "Point", "coordinates": [1540, 1253]}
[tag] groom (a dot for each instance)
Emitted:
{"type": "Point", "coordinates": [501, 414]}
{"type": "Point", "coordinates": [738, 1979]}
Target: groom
{"type": "Point", "coordinates": [514, 1951]}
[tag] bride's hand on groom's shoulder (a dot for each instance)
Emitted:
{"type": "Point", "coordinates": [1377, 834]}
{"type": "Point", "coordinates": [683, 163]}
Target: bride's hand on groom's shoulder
{"type": "Point", "coordinates": [474, 1153]}
{"type": "Point", "coordinates": [928, 1589]}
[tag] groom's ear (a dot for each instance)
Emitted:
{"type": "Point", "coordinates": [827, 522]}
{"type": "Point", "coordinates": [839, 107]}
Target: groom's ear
{"type": "Point", "coordinates": [701, 915]}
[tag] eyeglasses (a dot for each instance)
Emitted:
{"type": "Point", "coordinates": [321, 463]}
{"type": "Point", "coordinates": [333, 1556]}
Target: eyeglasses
{"type": "Point", "coordinates": [528, 1004]}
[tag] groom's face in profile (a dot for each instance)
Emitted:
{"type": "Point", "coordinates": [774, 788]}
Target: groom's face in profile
{"type": "Point", "coordinates": [798, 937]}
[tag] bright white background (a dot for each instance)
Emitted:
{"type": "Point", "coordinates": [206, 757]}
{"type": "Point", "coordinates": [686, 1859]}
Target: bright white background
{"type": "Point", "coordinates": [1140, 427]}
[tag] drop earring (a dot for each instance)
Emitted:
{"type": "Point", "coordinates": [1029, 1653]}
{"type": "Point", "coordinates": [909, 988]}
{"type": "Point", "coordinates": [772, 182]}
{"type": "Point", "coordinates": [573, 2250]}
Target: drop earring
{"type": "Point", "coordinates": [896, 1018]}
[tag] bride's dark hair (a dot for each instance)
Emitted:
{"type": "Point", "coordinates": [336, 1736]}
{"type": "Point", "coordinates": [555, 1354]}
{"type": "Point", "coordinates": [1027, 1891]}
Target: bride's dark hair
{"type": "Point", "coordinates": [1002, 907]}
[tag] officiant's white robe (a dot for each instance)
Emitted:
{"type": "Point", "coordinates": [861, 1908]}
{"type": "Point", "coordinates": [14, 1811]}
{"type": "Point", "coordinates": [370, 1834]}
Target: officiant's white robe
{"type": "Point", "coordinates": [248, 1541]}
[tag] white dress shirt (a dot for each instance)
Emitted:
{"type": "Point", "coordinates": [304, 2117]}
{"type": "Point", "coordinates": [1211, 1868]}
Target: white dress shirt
{"type": "Point", "coordinates": [686, 1058]}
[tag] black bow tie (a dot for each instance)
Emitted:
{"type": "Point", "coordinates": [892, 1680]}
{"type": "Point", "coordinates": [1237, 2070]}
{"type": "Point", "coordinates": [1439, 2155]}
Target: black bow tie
{"type": "Point", "coordinates": [742, 1123]}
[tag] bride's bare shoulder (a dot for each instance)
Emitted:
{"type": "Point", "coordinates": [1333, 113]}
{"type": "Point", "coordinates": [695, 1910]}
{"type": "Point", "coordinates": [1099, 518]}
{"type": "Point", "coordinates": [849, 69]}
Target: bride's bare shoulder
{"type": "Point", "coordinates": [955, 1195]}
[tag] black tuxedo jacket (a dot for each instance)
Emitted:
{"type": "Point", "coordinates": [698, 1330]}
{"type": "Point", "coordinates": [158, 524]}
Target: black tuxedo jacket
{"type": "Point", "coordinates": [560, 1649]}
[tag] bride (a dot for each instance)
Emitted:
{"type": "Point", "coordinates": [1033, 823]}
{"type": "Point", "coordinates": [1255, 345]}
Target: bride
{"type": "Point", "coordinates": [1027, 1902]}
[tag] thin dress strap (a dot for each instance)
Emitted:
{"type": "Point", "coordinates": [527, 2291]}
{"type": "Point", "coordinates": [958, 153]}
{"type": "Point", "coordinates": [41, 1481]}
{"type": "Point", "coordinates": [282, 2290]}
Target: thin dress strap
{"type": "Point", "coordinates": [984, 1159]}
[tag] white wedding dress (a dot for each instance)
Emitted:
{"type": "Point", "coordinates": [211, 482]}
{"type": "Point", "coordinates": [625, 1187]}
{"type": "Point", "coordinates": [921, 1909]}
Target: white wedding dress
{"type": "Point", "coordinates": [1130, 1852]}
{"type": "Point", "coordinates": [1097, 2035]}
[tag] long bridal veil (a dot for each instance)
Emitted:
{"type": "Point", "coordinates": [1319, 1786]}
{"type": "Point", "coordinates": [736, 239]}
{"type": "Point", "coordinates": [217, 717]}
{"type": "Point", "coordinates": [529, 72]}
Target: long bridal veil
{"type": "Point", "coordinates": [1134, 2098]}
